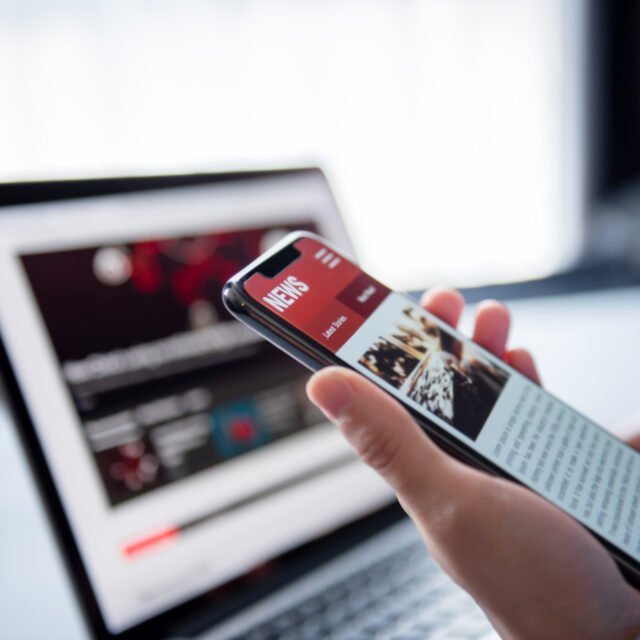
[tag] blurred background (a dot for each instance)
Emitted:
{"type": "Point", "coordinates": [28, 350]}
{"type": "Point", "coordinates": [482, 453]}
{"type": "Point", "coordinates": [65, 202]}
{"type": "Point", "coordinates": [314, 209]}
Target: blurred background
{"type": "Point", "coordinates": [486, 139]}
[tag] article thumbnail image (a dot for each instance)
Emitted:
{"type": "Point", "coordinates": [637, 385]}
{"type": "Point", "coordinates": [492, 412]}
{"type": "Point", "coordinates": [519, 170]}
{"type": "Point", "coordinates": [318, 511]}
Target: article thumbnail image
{"type": "Point", "coordinates": [451, 379]}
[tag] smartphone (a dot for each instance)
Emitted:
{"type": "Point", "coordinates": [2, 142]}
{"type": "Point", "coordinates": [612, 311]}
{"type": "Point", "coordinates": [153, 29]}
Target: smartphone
{"type": "Point", "coordinates": [318, 306]}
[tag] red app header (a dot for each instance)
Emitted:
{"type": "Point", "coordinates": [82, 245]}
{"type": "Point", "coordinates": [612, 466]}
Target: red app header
{"type": "Point", "coordinates": [320, 293]}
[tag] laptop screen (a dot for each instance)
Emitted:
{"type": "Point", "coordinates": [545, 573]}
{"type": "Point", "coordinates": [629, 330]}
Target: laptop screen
{"type": "Point", "coordinates": [182, 446]}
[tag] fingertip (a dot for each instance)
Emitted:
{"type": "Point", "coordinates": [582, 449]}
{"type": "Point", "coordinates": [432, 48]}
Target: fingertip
{"type": "Point", "coordinates": [330, 390]}
{"type": "Point", "coordinates": [494, 307]}
{"type": "Point", "coordinates": [385, 436]}
{"type": "Point", "coordinates": [522, 360]}
{"type": "Point", "coordinates": [447, 304]}
{"type": "Point", "coordinates": [492, 324]}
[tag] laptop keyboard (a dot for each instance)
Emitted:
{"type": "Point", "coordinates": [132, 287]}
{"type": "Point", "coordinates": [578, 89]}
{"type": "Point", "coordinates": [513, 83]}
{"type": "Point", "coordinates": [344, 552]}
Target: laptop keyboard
{"type": "Point", "coordinates": [405, 596]}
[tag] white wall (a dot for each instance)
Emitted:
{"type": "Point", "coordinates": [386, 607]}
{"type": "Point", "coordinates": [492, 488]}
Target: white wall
{"type": "Point", "coordinates": [448, 127]}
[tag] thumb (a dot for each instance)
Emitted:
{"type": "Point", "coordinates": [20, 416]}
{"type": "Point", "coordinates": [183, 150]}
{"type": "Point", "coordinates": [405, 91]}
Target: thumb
{"type": "Point", "coordinates": [386, 437]}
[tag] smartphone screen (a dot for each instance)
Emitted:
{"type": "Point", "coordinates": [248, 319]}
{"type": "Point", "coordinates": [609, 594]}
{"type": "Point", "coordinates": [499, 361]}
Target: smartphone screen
{"type": "Point", "coordinates": [467, 392]}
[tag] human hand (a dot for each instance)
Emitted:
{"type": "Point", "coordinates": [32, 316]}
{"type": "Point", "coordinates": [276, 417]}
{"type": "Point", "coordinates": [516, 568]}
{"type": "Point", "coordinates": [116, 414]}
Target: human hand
{"type": "Point", "coordinates": [534, 570]}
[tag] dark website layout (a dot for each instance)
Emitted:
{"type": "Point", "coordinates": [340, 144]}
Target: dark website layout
{"type": "Point", "coordinates": [165, 382]}
{"type": "Point", "coordinates": [508, 419]}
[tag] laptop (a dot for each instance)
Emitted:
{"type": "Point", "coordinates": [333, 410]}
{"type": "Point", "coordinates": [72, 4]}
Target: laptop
{"type": "Point", "coordinates": [193, 490]}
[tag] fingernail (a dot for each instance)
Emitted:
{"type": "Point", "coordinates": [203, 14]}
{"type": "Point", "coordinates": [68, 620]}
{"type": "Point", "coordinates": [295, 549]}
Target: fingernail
{"type": "Point", "coordinates": [331, 393]}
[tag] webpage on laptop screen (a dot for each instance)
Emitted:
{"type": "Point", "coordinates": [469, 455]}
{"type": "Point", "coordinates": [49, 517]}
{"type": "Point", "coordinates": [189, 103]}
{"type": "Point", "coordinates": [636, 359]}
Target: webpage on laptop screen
{"type": "Point", "coordinates": [173, 433]}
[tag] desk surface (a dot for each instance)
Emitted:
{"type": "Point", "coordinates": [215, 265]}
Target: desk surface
{"type": "Point", "coordinates": [587, 346]}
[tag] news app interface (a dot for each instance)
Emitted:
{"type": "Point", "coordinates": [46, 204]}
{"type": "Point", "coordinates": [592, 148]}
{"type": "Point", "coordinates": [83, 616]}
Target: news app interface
{"type": "Point", "coordinates": [467, 392]}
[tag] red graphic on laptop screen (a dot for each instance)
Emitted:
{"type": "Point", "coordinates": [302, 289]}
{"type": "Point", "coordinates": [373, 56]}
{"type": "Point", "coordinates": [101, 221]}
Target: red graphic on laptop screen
{"type": "Point", "coordinates": [321, 293]}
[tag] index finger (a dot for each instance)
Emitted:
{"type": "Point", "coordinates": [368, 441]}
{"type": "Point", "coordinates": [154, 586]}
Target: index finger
{"type": "Point", "coordinates": [446, 304]}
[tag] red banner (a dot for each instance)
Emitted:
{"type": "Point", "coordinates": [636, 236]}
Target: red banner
{"type": "Point", "coordinates": [320, 293]}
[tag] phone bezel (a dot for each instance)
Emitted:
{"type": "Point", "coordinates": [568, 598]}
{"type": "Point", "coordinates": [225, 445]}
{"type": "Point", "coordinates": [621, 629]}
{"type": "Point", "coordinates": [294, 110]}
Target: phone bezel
{"type": "Point", "coordinates": [315, 357]}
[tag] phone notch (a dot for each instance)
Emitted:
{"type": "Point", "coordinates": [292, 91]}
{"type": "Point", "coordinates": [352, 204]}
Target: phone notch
{"type": "Point", "coordinates": [278, 262]}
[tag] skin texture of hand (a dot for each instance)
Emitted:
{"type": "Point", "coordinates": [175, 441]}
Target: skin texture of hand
{"type": "Point", "coordinates": [535, 571]}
